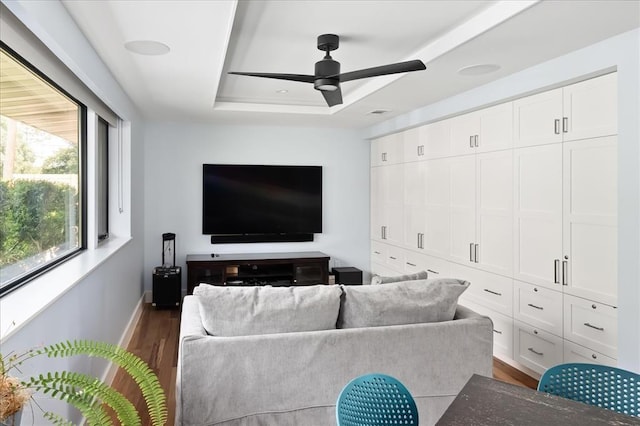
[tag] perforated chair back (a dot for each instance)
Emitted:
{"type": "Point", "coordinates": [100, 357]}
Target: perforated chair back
{"type": "Point", "coordinates": [375, 399]}
{"type": "Point", "coordinates": [593, 384]}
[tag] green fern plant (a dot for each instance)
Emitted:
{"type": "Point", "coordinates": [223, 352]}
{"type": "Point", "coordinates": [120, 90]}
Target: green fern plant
{"type": "Point", "coordinates": [89, 394]}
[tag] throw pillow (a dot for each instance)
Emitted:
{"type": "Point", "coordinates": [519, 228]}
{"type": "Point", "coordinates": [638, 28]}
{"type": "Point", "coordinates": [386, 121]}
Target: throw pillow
{"type": "Point", "coordinates": [240, 311]}
{"type": "Point", "coordinates": [407, 302]}
{"type": "Point", "coordinates": [377, 279]}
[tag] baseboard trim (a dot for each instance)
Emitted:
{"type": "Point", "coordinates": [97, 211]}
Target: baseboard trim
{"type": "Point", "coordinates": [125, 339]}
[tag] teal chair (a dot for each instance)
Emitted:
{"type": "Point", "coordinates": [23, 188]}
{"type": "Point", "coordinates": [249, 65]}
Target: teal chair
{"type": "Point", "coordinates": [375, 399]}
{"type": "Point", "coordinates": [594, 384]}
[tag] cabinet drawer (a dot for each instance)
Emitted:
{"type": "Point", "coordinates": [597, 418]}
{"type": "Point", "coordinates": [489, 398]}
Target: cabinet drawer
{"type": "Point", "coordinates": [538, 306]}
{"type": "Point", "coordinates": [416, 262]}
{"type": "Point", "coordinates": [378, 252]}
{"type": "Point", "coordinates": [591, 324]}
{"type": "Point", "coordinates": [535, 348]}
{"type": "Point", "coordinates": [383, 270]}
{"type": "Point", "coordinates": [502, 334]}
{"type": "Point", "coordinates": [502, 327]}
{"type": "Point", "coordinates": [395, 258]}
{"type": "Point", "coordinates": [577, 353]}
{"type": "Point", "coordinates": [487, 289]}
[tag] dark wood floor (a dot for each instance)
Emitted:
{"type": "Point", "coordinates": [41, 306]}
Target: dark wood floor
{"type": "Point", "coordinates": [155, 340]}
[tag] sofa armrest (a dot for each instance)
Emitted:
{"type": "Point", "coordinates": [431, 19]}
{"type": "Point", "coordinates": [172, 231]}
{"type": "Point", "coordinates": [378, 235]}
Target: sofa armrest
{"type": "Point", "coordinates": [190, 322]}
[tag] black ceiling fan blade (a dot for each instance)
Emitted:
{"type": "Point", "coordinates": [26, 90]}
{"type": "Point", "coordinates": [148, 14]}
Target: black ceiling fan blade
{"type": "Point", "coordinates": [291, 77]}
{"type": "Point", "coordinates": [332, 97]}
{"type": "Point", "coordinates": [415, 65]}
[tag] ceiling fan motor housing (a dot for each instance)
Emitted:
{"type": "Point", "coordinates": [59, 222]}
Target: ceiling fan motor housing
{"type": "Point", "coordinates": [324, 68]}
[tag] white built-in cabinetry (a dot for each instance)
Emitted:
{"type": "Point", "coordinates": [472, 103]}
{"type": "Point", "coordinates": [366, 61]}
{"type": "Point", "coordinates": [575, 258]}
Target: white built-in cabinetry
{"type": "Point", "coordinates": [519, 199]}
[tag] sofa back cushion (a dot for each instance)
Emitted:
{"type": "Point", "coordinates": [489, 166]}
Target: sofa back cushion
{"type": "Point", "coordinates": [240, 311]}
{"type": "Point", "coordinates": [407, 302]}
{"type": "Point", "coordinates": [378, 279]}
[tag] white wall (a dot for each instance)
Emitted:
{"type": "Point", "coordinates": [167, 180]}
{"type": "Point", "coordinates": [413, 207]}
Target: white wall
{"type": "Point", "coordinates": [174, 155]}
{"type": "Point", "coordinates": [101, 302]}
{"type": "Point", "coordinates": [622, 53]}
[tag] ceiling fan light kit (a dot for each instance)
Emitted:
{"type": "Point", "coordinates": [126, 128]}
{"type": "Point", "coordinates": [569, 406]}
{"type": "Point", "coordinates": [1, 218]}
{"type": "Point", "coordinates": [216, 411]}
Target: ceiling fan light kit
{"type": "Point", "coordinates": [327, 77]}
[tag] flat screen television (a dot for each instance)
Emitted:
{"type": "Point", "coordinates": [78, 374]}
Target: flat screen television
{"type": "Point", "coordinates": [261, 203]}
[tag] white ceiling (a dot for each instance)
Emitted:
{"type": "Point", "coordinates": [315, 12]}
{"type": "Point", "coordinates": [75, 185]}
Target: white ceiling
{"type": "Point", "coordinates": [209, 38]}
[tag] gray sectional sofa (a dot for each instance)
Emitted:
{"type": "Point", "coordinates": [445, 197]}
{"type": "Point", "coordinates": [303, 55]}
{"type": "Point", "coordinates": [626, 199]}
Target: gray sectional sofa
{"type": "Point", "coordinates": [281, 356]}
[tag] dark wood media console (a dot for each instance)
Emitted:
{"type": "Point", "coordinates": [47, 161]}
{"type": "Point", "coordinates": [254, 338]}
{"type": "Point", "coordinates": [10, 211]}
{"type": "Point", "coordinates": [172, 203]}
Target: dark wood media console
{"type": "Point", "coordinates": [250, 269]}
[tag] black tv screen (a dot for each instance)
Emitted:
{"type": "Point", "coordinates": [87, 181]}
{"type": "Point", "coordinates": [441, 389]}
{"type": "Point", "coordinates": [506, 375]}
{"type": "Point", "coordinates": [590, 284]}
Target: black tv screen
{"type": "Point", "coordinates": [260, 199]}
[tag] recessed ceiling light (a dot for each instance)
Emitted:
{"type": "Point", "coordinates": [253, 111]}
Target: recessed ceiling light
{"type": "Point", "coordinates": [479, 69]}
{"type": "Point", "coordinates": [147, 47]}
{"type": "Point", "coordinates": [282, 91]}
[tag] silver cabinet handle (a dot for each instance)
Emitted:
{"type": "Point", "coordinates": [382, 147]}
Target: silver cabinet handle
{"type": "Point", "coordinates": [384, 232]}
{"type": "Point", "coordinates": [565, 272]}
{"type": "Point", "coordinates": [471, 252]}
{"type": "Point", "coordinates": [475, 253]}
{"type": "Point", "coordinates": [411, 264]}
{"type": "Point", "coordinates": [421, 240]}
{"type": "Point", "coordinates": [393, 258]}
{"type": "Point", "coordinates": [475, 140]}
{"type": "Point", "coordinates": [556, 126]}
{"type": "Point", "coordinates": [535, 352]}
{"type": "Point", "coordinates": [384, 156]}
{"type": "Point", "coordinates": [556, 271]}
{"type": "Point", "coordinates": [376, 252]}
{"type": "Point", "coordinates": [535, 307]}
{"type": "Point", "coordinates": [594, 327]}
{"type": "Point", "coordinates": [432, 271]}
{"type": "Point", "coordinates": [471, 141]}
{"type": "Point", "coordinates": [492, 292]}
{"type": "Point", "coordinates": [496, 331]}
{"type": "Point", "coordinates": [565, 124]}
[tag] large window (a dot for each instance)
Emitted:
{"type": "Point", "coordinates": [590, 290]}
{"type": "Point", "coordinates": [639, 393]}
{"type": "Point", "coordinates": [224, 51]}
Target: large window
{"type": "Point", "coordinates": [41, 164]}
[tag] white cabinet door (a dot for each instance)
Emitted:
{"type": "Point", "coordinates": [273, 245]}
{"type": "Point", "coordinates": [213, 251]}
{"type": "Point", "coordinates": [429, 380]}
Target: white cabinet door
{"type": "Point", "coordinates": [437, 209]}
{"type": "Point", "coordinates": [537, 233]}
{"type": "Point", "coordinates": [537, 119]}
{"type": "Point", "coordinates": [494, 212]}
{"type": "Point", "coordinates": [463, 208]}
{"type": "Point", "coordinates": [437, 138]}
{"type": "Point", "coordinates": [464, 131]}
{"type": "Point", "coordinates": [591, 108]}
{"type": "Point", "coordinates": [415, 183]}
{"type": "Point", "coordinates": [590, 219]}
{"type": "Point", "coordinates": [495, 128]}
{"type": "Point", "coordinates": [393, 203]}
{"type": "Point", "coordinates": [413, 145]}
{"type": "Point", "coordinates": [387, 150]}
{"type": "Point", "coordinates": [376, 202]}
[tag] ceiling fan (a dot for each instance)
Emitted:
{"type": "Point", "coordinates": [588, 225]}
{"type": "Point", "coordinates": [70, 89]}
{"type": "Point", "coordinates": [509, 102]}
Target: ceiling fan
{"type": "Point", "coordinates": [327, 77]}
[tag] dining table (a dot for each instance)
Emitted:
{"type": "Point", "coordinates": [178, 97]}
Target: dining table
{"type": "Point", "coordinates": [485, 401]}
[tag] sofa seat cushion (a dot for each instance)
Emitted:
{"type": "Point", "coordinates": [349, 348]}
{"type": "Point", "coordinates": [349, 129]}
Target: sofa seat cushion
{"type": "Point", "coordinates": [378, 279]}
{"type": "Point", "coordinates": [406, 302]}
{"type": "Point", "coordinates": [242, 311]}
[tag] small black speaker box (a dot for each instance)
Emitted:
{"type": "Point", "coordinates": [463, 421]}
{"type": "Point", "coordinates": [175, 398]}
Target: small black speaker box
{"type": "Point", "coordinates": [347, 275]}
{"type": "Point", "coordinates": [167, 287]}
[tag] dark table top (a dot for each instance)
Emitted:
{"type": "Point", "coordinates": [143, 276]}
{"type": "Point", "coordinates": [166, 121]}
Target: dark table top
{"type": "Point", "coordinates": [489, 402]}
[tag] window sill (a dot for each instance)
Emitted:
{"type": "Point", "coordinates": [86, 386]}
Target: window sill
{"type": "Point", "coordinates": [25, 303]}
